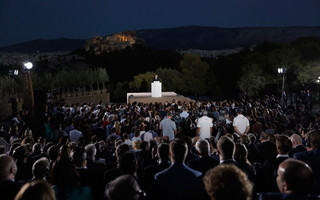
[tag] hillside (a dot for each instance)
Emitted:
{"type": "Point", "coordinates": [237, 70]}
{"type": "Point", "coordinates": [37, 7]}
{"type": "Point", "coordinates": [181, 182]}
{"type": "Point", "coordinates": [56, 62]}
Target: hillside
{"type": "Point", "coordinates": [197, 37]}
{"type": "Point", "coordinates": [191, 37]}
{"type": "Point", "coordinates": [62, 44]}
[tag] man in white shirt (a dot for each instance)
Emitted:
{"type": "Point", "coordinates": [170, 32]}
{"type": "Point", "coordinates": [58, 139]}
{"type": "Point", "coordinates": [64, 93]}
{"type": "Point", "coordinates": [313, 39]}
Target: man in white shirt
{"type": "Point", "coordinates": [204, 126]}
{"type": "Point", "coordinates": [241, 124]}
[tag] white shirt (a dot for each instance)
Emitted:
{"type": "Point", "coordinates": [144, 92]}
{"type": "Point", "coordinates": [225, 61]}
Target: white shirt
{"type": "Point", "coordinates": [204, 123]}
{"type": "Point", "coordinates": [241, 122]}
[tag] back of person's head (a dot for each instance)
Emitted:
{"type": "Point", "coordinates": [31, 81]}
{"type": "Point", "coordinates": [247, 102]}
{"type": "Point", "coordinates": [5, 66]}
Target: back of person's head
{"type": "Point", "coordinates": [36, 190]}
{"type": "Point", "coordinates": [137, 133]}
{"type": "Point", "coordinates": [244, 139]}
{"type": "Point", "coordinates": [314, 139]}
{"type": "Point", "coordinates": [241, 153]}
{"type": "Point", "coordinates": [40, 168]}
{"type": "Point", "coordinates": [163, 151]}
{"type": "Point", "coordinates": [20, 153]}
{"type": "Point", "coordinates": [283, 143]}
{"type": "Point", "coordinates": [65, 152]}
{"type": "Point", "coordinates": [122, 148]}
{"type": "Point", "coordinates": [53, 152]}
{"type": "Point", "coordinates": [91, 151]}
{"type": "Point", "coordinates": [203, 147]}
{"type": "Point", "coordinates": [136, 144]}
{"type": "Point", "coordinates": [127, 163]}
{"type": "Point", "coordinates": [46, 147]}
{"type": "Point", "coordinates": [152, 143]}
{"type": "Point", "coordinates": [227, 182]}
{"type": "Point", "coordinates": [296, 139]}
{"type": "Point", "coordinates": [8, 167]}
{"type": "Point", "coordinates": [226, 147]}
{"type": "Point", "coordinates": [78, 156]}
{"type": "Point", "coordinates": [36, 148]}
{"type": "Point", "coordinates": [264, 136]}
{"type": "Point", "coordinates": [296, 177]}
{"type": "Point", "coordinates": [125, 136]}
{"type": "Point", "coordinates": [64, 175]}
{"type": "Point", "coordinates": [117, 143]}
{"type": "Point", "coordinates": [252, 138]}
{"type": "Point", "coordinates": [178, 151]}
{"type": "Point", "coordinates": [115, 189]}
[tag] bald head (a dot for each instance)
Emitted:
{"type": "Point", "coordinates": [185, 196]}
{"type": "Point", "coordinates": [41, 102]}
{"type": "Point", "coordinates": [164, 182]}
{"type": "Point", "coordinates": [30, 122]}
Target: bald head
{"type": "Point", "coordinates": [296, 140]}
{"type": "Point", "coordinates": [8, 168]}
{"type": "Point", "coordinates": [295, 176]}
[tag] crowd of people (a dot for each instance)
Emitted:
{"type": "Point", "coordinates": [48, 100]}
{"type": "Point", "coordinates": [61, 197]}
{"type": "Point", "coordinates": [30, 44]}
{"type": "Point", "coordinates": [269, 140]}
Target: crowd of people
{"type": "Point", "coordinates": [245, 149]}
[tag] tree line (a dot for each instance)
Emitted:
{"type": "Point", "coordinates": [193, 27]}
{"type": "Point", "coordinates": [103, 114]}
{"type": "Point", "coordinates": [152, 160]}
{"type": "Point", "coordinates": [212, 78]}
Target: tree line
{"type": "Point", "coordinates": [252, 71]}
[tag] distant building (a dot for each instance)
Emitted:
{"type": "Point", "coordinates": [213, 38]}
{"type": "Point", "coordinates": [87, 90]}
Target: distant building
{"type": "Point", "coordinates": [118, 41]}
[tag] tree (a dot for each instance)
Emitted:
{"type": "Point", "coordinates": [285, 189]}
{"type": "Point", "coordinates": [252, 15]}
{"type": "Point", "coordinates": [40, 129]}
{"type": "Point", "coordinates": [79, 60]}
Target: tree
{"type": "Point", "coordinates": [138, 80]}
{"type": "Point", "coordinates": [171, 79]}
{"type": "Point", "coordinates": [194, 73]}
{"type": "Point", "coordinates": [252, 80]}
{"type": "Point", "coordinates": [309, 73]}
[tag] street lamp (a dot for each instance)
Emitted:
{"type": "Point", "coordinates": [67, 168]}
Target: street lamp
{"type": "Point", "coordinates": [282, 72]}
{"type": "Point", "coordinates": [318, 83]}
{"type": "Point", "coordinates": [28, 98]}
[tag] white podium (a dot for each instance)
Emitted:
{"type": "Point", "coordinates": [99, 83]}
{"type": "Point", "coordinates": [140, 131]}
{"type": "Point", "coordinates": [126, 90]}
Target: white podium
{"type": "Point", "coordinates": [156, 89]}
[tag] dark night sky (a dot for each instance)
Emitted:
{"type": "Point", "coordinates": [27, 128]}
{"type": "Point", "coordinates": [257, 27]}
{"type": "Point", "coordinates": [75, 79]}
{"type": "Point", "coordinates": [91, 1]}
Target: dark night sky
{"type": "Point", "coordinates": [24, 20]}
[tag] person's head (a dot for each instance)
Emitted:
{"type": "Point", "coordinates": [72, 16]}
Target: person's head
{"type": "Point", "coordinates": [203, 147]}
{"type": "Point", "coordinates": [252, 138]}
{"type": "Point", "coordinates": [264, 137]}
{"type": "Point", "coordinates": [79, 157]}
{"type": "Point", "coordinates": [115, 189]}
{"type": "Point", "coordinates": [225, 147]}
{"type": "Point", "coordinates": [65, 152]}
{"type": "Point", "coordinates": [314, 139]}
{"type": "Point", "coordinates": [178, 151]}
{"type": "Point", "coordinates": [283, 144]}
{"type": "Point", "coordinates": [241, 153]}
{"type": "Point", "coordinates": [169, 115]}
{"type": "Point", "coordinates": [136, 144]}
{"type": "Point", "coordinates": [125, 136]}
{"type": "Point", "coordinates": [53, 152]}
{"type": "Point", "coordinates": [91, 151]}
{"type": "Point", "coordinates": [294, 176]}
{"type": "Point", "coordinates": [122, 148]}
{"type": "Point", "coordinates": [36, 190]}
{"type": "Point", "coordinates": [227, 182]}
{"type": "Point", "coordinates": [36, 148]}
{"type": "Point", "coordinates": [163, 151]}
{"type": "Point", "coordinates": [296, 140]}
{"type": "Point", "coordinates": [40, 168]}
{"type": "Point", "coordinates": [8, 168]}
{"type": "Point", "coordinates": [205, 113]}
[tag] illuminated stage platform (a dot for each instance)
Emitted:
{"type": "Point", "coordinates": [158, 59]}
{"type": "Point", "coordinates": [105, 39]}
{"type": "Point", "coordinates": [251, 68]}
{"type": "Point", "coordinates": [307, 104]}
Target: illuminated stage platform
{"type": "Point", "coordinates": [145, 97]}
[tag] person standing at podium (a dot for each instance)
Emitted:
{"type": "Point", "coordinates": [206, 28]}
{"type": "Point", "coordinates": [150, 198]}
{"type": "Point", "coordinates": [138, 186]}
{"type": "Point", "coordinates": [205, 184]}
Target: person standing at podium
{"type": "Point", "coordinates": [155, 78]}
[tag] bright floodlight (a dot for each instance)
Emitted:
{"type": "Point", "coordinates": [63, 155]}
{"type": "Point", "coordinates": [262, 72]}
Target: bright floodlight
{"type": "Point", "coordinates": [28, 65]}
{"type": "Point", "coordinates": [280, 70]}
